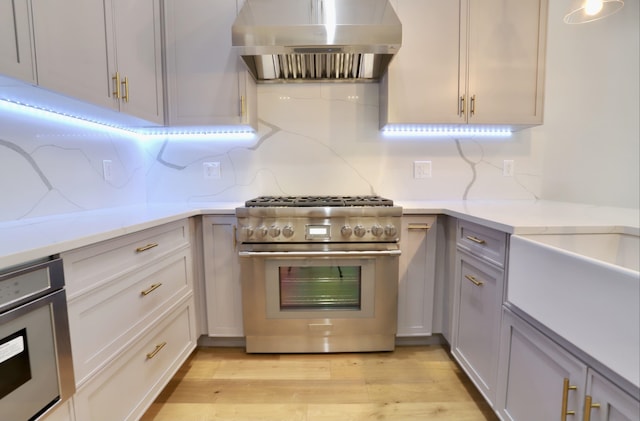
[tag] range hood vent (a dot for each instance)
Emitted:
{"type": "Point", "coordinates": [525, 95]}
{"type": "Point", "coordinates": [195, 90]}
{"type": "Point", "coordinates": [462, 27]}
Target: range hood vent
{"type": "Point", "coordinates": [316, 40]}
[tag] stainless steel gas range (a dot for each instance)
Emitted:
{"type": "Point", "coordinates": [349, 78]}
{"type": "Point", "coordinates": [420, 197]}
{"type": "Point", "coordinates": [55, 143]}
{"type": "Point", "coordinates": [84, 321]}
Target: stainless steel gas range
{"type": "Point", "coordinates": [319, 273]}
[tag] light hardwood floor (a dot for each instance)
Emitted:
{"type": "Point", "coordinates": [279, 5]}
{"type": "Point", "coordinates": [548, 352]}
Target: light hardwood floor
{"type": "Point", "coordinates": [411, 383]}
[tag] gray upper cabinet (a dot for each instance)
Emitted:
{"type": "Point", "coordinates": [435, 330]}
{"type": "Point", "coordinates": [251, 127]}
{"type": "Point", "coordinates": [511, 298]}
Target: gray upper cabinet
{"type": "Point", "coordinates": [206, 81]}
{"type": "Point", "coordinates": [105, 52]}
{"type": "Point", "coordinates": [467, 62]}
{"type": "Point", "coordinates": [16, 46]}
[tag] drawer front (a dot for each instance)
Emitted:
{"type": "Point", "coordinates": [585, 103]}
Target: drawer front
{"type": "Point", "coordinates": [486, 243]}
{"type": "Point", "coordinates": [102, 323]}
{"type": "Point", "coordinates": [125, 389]}
{"type": "Point", "coordinates": [91, 266]}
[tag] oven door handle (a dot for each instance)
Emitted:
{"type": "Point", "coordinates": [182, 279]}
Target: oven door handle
{"type": "Point", "coordinates": [319, 253]}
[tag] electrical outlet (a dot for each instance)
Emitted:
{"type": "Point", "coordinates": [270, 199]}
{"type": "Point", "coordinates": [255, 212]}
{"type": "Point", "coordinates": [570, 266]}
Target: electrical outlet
{"type": "Point", "coordinates": [421, 169]}
{"type": "Point", "coordinates": [107, 169]}
{"type": "Point", "coordinates": [211, 170]}
{"type": "Point", "coordinates": [508, 167]}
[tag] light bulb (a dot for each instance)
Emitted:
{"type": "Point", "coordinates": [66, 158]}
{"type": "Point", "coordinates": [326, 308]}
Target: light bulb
{"type": "Point", "coordinates": [592, 7]}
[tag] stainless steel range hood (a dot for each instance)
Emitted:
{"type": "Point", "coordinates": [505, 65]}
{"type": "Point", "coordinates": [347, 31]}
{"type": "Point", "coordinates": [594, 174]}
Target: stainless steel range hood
{"type": "Point", "coordinates": [317, 40]}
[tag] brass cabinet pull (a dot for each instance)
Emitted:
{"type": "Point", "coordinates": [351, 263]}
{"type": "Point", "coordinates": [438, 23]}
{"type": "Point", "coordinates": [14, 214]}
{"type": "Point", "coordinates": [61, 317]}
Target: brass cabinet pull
{"type": "Point", "coordinates": [566, 387]}
{"type": "Point", "coordinates": [419, 226]}
{"type": "Point", "coordinates": [474, 280]}
{"type": "Point", "coordinates": [125, 82]}
{"type": "Point", "coordinates": [152, 288]}
{"type": "Point", "coordinates": [235, 238]}
{"type": "Point", "coordinates": [243, 106]}
{"type": "Point", "coordinates": [472, 105]}
{"type": "Point", "coordinates": [461, 106]}
{"type": "Point", "coordinates": [588, 406]}
{"type": "Point", "coordinates": [116, 80]}
{"type": "Point", "coordinates": [156, 350]}
{"type": "Point", "coordinates": [476, 239]}
{"type": "Point", "coordinates": [147, 247]}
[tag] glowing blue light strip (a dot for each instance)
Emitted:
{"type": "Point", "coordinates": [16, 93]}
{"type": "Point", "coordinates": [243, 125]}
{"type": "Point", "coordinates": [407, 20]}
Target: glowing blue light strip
{"type": "Point", "coordinates": [226, 133]}
{"type": "Point", "coordinates": [410, 131]}
{"type": "Point", "coordinates": [60, 118]}
{"type": "Point", "coordinates": [213, 135]}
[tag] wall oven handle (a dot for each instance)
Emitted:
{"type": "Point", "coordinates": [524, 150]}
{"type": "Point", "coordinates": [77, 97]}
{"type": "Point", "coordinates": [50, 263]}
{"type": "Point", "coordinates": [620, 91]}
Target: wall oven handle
{"type": "Point", "coordinates": [318, 253]}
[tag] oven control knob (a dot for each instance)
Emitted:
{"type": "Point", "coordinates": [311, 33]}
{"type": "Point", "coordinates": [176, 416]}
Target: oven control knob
{"type": "Point", "coordinates": [287, 231]}
{"type": "Point", "coordinates": [274, 231]}
{"type": "Point", "coordinates": [346, 231]}
{"type": "Point", "coordinates": [248, 231]}
{"type": "Point", "coordinates": [390, 231]}
{"type": "Point", "coordinates": [261, 231]}
{"type": "Point", "coordinates": [377, 230]}
{"type": "Point", "coordinates": [359, 230]}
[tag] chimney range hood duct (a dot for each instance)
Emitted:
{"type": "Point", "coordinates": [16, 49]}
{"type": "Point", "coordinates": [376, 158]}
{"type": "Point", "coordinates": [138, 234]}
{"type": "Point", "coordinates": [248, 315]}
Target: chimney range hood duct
{"type": "Point", "coordinates": [316, 40]}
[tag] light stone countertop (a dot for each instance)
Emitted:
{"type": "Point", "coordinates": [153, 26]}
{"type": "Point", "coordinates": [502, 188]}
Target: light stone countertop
{"type": "Point", "coordinates": [25, 240]}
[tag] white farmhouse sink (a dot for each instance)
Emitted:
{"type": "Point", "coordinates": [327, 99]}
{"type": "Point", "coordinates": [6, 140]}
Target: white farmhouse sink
{"type": "Point", "coordinates": [584, 287]}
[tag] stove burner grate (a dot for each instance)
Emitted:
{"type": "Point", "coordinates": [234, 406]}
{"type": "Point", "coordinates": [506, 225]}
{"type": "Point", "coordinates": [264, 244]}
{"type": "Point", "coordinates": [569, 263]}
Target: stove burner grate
{"type": "Point", "coordinates": [318, 201]}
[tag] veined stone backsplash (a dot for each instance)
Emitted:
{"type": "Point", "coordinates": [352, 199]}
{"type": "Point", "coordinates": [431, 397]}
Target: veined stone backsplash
{"type": "Point", "coordinates": [312, 139]}
{"type": "Point", "coordinates": [324, 139]}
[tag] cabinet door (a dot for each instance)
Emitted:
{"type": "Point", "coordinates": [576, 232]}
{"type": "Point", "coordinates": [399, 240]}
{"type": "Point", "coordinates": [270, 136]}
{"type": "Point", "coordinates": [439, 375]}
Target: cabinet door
{"type": "Point", "coordinates": [506, 44]}
{"type": "Point", "coordinates": [421, 84]}
{"type": "Point", "coordinates": [222, 277]}
{"type": "Point", "coordinates": [533, 370]}
{"type": "Point", "coordinates": [477, 327]}
{"type": "Point", "coordinates": [609, 402]}
{"type": "Point", "coordinates": [16, 52]}
{"type": "Point", "coordinates": [417, 276]}
{"type": "Point", "coordinates": [139, 57]}
{"type": "Point", "coordinates": [72, 49]}
{"type": "Point", "coordinates": [206, 83]}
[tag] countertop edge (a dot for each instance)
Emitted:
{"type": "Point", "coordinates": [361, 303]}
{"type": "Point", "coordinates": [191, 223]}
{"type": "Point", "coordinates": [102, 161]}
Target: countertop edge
{"type": "Point", "coordinates": [31, 239]}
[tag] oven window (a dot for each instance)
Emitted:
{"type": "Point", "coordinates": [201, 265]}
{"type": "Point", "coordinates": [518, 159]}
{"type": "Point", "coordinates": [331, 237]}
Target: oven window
{"type": "Point", "coordinates": [320, 287]}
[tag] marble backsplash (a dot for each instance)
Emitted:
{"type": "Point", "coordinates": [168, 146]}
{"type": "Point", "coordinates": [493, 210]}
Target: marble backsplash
{"type": "Point", "coordinates": [312, 139]}
{"type": "Point", "coordinates": [324, 139]}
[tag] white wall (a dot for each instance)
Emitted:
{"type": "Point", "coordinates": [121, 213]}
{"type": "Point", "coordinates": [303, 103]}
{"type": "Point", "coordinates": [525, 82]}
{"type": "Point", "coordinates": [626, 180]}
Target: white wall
{"type": "Point", "coordinates": [591, 133]}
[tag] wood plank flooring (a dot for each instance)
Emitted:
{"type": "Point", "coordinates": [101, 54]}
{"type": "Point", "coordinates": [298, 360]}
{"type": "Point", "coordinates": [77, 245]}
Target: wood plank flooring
{"type": "Point", "coordinates": [410, 383]}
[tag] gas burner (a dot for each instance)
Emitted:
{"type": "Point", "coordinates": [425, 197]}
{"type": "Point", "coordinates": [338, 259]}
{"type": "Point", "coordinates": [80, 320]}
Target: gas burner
{"type": "Point", "coordinates": [318, 201]}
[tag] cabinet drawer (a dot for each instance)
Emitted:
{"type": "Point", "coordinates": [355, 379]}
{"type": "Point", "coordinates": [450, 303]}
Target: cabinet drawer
{"type": "Point", "coordinates": [486, 243]}
{"type": "Point", "coordinates": [104, 322]}
{"type": "Point", "coordinates": [98, 264]}
{"type": "Point", "coordinates": [126, 388]}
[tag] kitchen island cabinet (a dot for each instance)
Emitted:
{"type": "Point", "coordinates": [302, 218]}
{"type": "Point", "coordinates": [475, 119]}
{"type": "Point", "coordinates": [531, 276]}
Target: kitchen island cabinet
{"type": "Point", "coordinates": [481, 62]}
{"type": "Point", "coordinates": [206, 81]}
{"type": "Point", "coordinates": [478, 297]}
{"type": "Point", "coordinates": [540, 380]}
{"type": "Point", "coordinates": [16, 41]}
{"type": "Point", "coordinates": [105, 52]}
{"type": "Point", "coordinates": [417, 276]}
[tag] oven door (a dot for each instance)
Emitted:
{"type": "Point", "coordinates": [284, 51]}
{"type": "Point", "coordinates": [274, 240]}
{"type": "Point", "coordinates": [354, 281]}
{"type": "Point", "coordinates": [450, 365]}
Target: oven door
{"type": "Point", "coordinates": [29, 375]}
{"type": "Point", "coordinates": [309, 298]}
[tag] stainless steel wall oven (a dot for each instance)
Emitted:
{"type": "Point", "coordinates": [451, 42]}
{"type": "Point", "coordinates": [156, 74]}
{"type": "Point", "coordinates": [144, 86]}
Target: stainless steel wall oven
{"type": "Point", "coordinates": [319, 274]}
{"type": "Point", "coordinates": [36, 370]}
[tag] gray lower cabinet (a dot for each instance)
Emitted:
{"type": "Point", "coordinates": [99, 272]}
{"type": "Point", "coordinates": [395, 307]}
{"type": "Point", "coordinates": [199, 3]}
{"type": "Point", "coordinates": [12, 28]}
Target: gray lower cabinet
{"type": "Point", "coordinates": [417, 276]}
{"type": "Point", "coordinates": [223, 291]}
{"type": "Point", "coordinates": [540, 380]}
{"type": "Point", "coordinates": [477, 303]}
{"type": "Point", "coordinates": [477, 328]}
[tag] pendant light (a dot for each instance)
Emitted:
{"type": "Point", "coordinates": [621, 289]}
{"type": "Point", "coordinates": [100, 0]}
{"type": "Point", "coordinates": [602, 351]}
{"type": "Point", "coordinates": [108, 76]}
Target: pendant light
{"type": "Point", "coordinates": [583, 11]}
